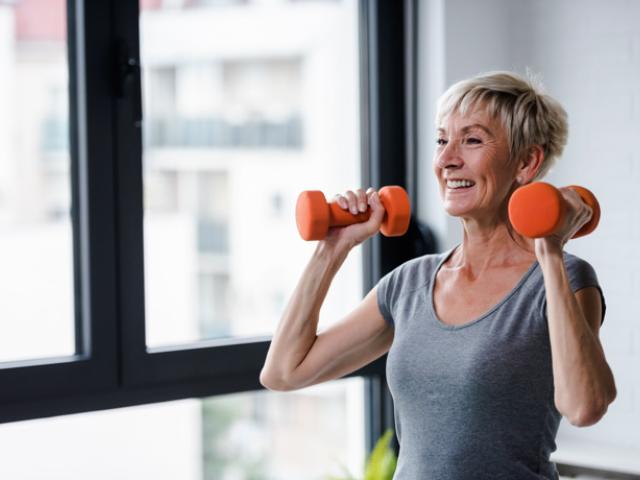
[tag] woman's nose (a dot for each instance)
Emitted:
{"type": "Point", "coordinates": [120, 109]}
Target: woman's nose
{"type": "Point", "coordinates": [449, 156]}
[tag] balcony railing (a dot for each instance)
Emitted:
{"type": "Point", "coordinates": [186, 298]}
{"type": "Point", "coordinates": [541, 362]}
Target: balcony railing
{"type": "Point", "coordinates": [214, 132]}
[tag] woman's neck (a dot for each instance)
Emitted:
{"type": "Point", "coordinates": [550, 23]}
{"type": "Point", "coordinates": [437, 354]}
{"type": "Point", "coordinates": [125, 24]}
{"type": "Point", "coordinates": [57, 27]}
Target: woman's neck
{"type": "Point", "coordinates": [485, 247]}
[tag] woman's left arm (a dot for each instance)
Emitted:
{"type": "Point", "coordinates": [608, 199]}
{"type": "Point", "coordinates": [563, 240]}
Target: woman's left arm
{"type": "Point", "coordinates": [584, 384]}
{"type": "Point", "coordinates": [583, 381]}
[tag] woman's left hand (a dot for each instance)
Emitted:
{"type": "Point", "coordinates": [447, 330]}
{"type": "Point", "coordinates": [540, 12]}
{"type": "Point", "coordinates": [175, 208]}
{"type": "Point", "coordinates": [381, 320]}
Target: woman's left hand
{"type": "Point", "coordinates": [576, 214]}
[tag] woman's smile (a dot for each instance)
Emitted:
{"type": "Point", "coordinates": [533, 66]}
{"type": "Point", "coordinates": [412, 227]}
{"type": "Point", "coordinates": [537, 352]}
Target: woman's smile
{"type": "Point", "coordinates": [459, 186]}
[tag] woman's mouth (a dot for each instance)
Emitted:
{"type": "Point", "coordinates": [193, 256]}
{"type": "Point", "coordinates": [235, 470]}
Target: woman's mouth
{"type": "Point", "coordinates": [459, 185]}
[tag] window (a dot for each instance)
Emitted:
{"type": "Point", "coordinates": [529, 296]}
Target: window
{"type": "Point", "coordinates": [243, 435]}
{"type": "Point", "coordinates": [244, 121]}
{"type": "Point", "coordinates": [172, 240]}
{"type": "Point", "coordinates": [58, 318]}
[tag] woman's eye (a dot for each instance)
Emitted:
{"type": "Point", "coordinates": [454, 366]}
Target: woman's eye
{"type": "Point", "coordinates": [441, 141]}
{"type": "Point", "coordinates": [474, 140]}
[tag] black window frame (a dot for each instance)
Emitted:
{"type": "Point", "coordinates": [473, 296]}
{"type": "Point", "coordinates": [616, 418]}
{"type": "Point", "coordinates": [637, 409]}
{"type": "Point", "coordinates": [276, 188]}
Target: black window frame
{"type": "Point", "coordinates": [93, 368]}
{"type": "Point", "coordinates": [115, 368]}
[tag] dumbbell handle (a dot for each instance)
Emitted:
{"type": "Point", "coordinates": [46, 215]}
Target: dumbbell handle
{"type": "Point", "coordinates": [314, 215]}
{"type": "Point", "coordinates": [536, 210]}
{"type": "Point", "coordinates": [338, 217]}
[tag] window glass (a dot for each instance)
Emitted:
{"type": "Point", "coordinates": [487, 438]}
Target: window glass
{"type": "Point", "coordinates": [36, 250]}
{"type": "Point", "coordinates": [307, 434]}
{"type": "Point", "coordinates": [246, 104]}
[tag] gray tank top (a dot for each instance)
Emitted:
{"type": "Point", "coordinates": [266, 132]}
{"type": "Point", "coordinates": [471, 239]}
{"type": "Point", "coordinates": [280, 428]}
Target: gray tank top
{"type": "Point", "coordinates": [473, 401]}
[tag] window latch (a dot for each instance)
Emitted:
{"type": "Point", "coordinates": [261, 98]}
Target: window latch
{"type": "Point", "coordinates": [128, 80]}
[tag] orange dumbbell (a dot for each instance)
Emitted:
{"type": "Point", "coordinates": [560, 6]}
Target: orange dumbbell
{"type": "Point", "coordinates": [314, 216]}
{"type": "Point", "coordinates": [536, 210]}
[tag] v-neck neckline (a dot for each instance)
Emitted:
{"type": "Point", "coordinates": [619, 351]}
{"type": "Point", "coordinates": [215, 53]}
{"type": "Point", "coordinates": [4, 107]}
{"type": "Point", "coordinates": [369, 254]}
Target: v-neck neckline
{"type": "Point", "coordinates": [447, 326]}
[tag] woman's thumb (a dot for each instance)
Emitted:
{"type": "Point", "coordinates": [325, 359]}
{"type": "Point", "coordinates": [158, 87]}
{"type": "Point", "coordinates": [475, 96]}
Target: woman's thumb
{"type": "Point", "coordinates": [377, 209]}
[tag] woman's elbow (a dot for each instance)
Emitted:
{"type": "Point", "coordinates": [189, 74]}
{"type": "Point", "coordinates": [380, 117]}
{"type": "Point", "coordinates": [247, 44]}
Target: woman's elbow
{"type": "Point", "coordinates": [587, 417]}
{"type": "Point", "coordinates": [273, 384]}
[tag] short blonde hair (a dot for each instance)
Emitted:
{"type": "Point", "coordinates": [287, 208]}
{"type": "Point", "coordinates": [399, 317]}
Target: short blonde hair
{"type": "Point", "coordinates": [529, 116]}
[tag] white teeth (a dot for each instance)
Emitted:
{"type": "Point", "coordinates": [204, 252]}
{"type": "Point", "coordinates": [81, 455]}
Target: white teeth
{"type": "Point", "coordinates": [459, 183]}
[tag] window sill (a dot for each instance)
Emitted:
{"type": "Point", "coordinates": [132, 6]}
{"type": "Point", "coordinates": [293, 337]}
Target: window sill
{"type": "Point", "coordinates": [596, 455]}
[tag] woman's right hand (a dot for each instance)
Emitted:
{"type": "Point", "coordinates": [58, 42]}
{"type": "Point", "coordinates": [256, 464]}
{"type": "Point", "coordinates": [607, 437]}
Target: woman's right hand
{"type": "Point", "coordinates": [356, 202]}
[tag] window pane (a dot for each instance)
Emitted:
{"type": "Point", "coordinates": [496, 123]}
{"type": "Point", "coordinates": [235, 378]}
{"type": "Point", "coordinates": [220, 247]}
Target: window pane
{"type": "Point", "coordinates": [246, 105]}
{"type": "Point", "coordinates": [36, 277]}
{"type": "Point", "coordinates": [307, 434]}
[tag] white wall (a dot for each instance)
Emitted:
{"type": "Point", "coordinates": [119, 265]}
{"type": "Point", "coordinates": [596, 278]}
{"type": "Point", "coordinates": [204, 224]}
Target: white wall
{"type": "Point", "coordinates": [588, 54]}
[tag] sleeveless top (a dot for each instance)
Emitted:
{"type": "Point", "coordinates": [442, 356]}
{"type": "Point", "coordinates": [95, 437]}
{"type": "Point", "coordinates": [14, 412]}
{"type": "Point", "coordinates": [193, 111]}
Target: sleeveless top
{"type": "Point", "coordinates": [476, 400]}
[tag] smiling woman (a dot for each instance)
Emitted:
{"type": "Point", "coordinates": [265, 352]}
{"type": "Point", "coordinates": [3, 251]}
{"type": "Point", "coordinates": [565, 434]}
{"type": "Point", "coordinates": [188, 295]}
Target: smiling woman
{"type": "Point", "coordinates": [501, 324]}
{"type": "Point", "coordinates": [587, 56]}
{"type": "Point", "coordinates": [490, 343]}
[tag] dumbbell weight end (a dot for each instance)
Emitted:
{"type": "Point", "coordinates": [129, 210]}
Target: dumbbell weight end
{"type": "Point", "coordinates": [314, 215]}
{"type": "Point", "coordinates": [536, 210]}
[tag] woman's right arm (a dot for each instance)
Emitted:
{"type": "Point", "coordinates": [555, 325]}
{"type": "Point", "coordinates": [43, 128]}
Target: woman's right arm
{"type": "Point", "coordinates": [298, 356]}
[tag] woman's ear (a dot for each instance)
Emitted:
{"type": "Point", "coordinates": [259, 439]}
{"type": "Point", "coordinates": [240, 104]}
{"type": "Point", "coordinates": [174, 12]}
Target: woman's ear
{"type": "Point", "coordinates": [530, 165]}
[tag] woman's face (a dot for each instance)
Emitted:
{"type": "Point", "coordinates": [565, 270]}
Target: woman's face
{"type": "Point", "coordinates": [472, 166]}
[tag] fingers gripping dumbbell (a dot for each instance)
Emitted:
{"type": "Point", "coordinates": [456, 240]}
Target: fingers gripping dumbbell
{"type": "Point", "coordinates": [536, 210]}
{"type": "Point", "coordinates": [314, 215]}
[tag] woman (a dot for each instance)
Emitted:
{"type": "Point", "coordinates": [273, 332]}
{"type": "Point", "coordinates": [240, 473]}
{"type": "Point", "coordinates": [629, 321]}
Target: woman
{"type": "Point", "coordinates": [490, 343]}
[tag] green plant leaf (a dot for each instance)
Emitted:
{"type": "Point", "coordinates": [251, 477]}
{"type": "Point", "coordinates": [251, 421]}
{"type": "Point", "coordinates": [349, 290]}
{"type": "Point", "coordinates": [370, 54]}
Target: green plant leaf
{"type": "Point", "coordinates": [382, 461]}
{"type": "Point", "coordinates": [380, 465]}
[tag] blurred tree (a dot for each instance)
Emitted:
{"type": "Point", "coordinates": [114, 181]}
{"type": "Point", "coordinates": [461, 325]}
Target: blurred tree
{"type": "Point", "coordinates": [220, 456]}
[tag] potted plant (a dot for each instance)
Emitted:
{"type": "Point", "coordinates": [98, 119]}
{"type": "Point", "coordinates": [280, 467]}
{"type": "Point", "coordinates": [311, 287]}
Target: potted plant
{"type": "Point", "coordinates": [380, 465]}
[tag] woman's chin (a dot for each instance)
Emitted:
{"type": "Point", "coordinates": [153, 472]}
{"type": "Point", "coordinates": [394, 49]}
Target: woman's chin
{"type": "Point", "coordinates": [456, 210]}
